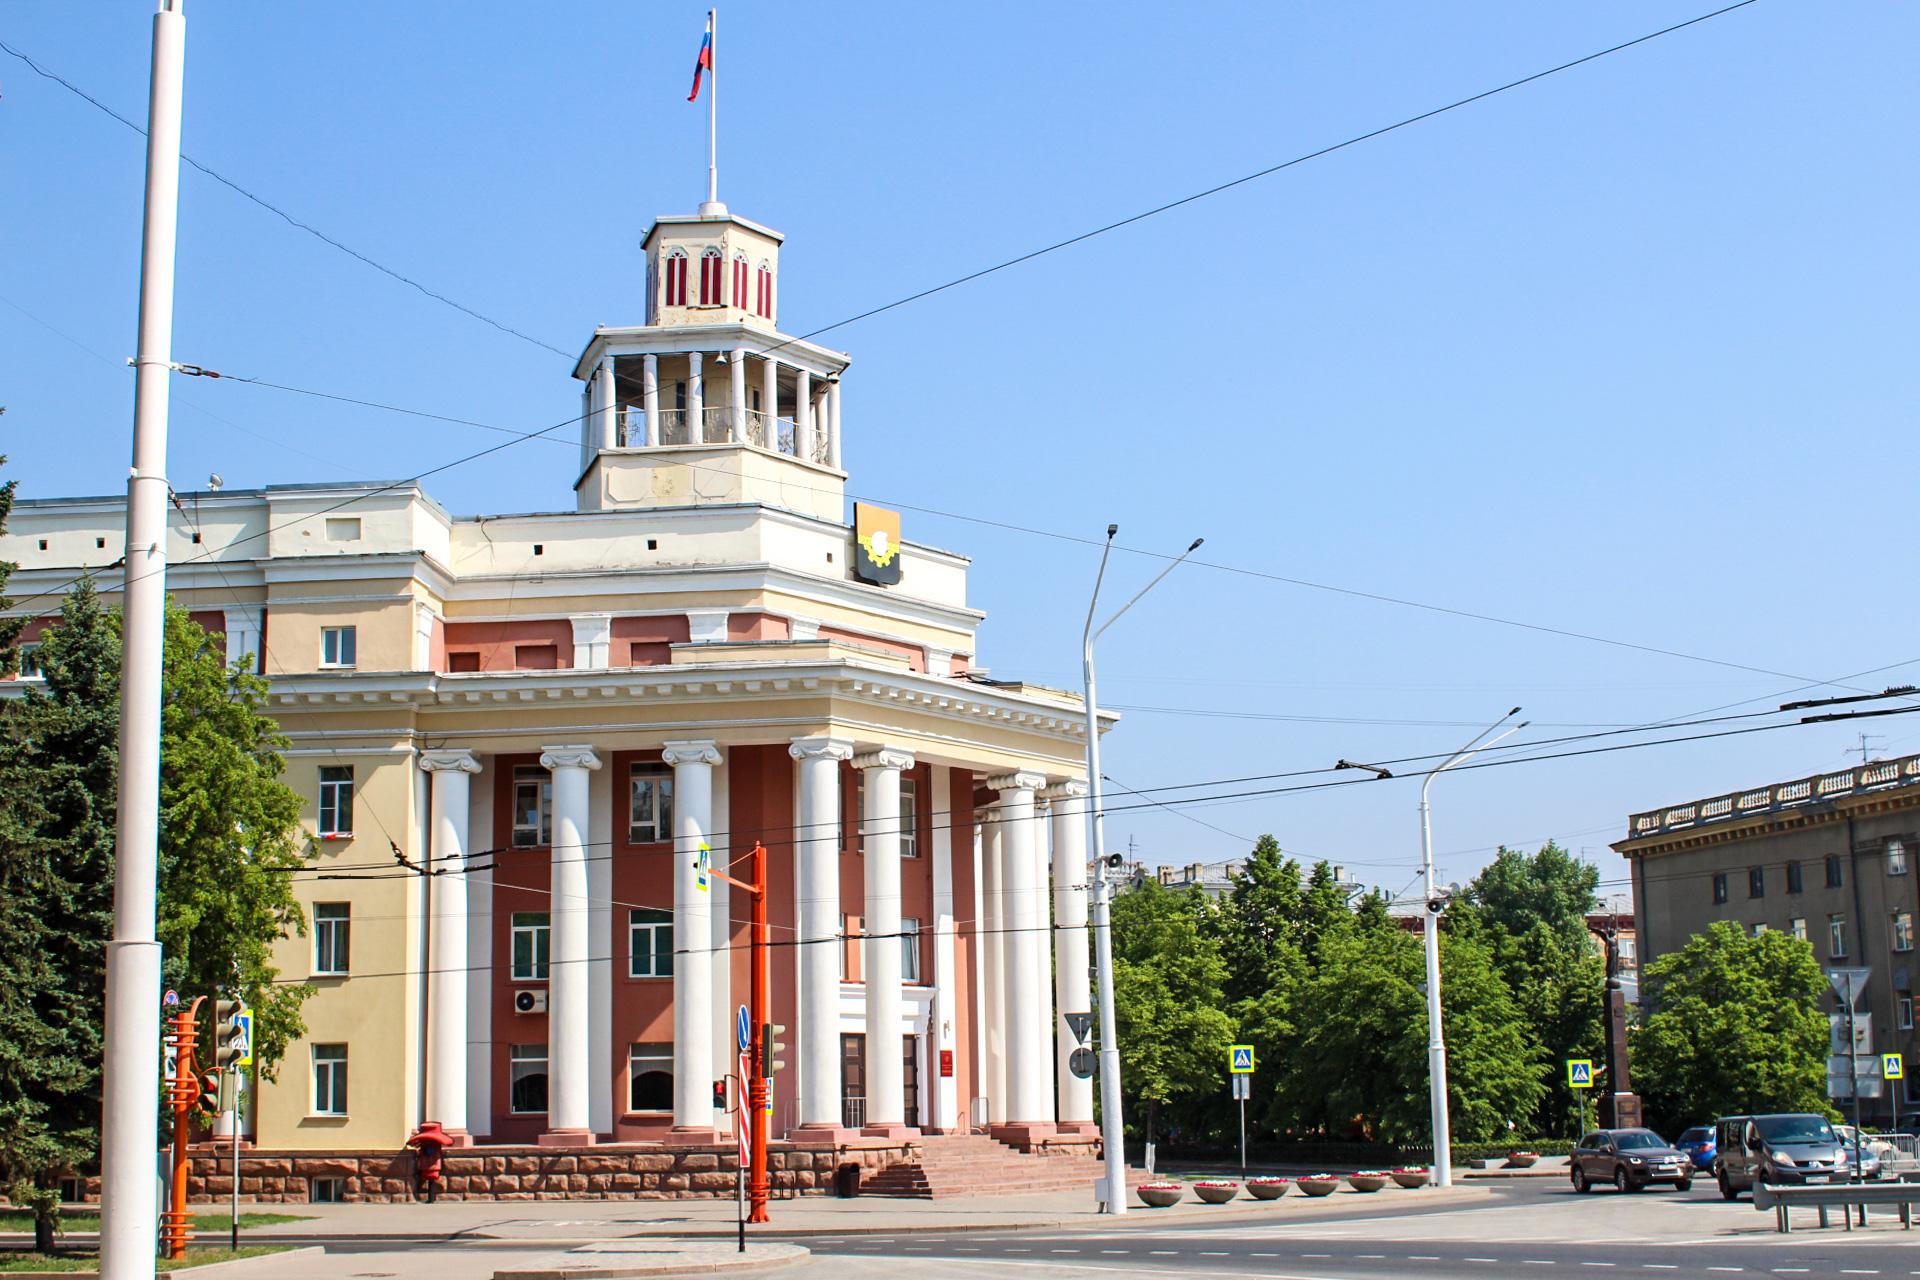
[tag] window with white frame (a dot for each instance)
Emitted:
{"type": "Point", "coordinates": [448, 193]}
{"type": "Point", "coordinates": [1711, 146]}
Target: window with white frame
{"type": "Point", "coordinates": [650, 1077]}
{"type": "Point", "coordinates": [649, 943]}
{"type": "Point", "coordinates": [649, 804]}
{"type": "Point", "coordinates": [1903, 1010]}
{"type": "Point", "coordinates": [909, 816]}
{"type": "Point", "coordinates": [1896, 857]}
{"type": "Point", "coordinates": [1757, 930]}
{"type": "Point", "coordinates": [1903, 931]}
{"type": "Point", "coordinates": [338, 646]}
{"type": "Point", "coordinates": [28, 661]}
{"type": "Point", "coordinates": [1798, 927]}
{"type": "Point", "coordinates": [909, 949]}
{"type": "Point", "coordinates": [336, 802]}
{"type": "Point", "coordinates": [676, 277]}
{"type": "Point", "coordinates": [1836, 935]}
{"type": "Point", "coordinates": [710, 278]}
{"type": "Point", "coordinates": [331, 922]}
{"type": "Point", "coordinates": [527, 1079]}
{"type": "Point", "coordinates": [532, 807]}
{"type": "Point", "coordinates": [329, 1079]}
{"type": "Point", "coordinates": [531, 934]}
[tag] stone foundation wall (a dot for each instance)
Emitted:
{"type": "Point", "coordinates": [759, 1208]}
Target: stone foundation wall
{"type": "Point", "coordinates": [639, 1172]}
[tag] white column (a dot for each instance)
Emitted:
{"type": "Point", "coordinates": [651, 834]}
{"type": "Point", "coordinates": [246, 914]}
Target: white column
{"type": "Point", "coordinates": [992, 949]}
{"type": "Point", "coordinates": [945, 1108]}
{"type": "Point", "coordinates": [569, 1091]}
{"type": "Point", "coordinates": [1029, 1089]}
{"type": "Point", "coordinates": [880, 953]}
{"type": "Point", "coordinates": [243, 636]}
{"type": "Point", "coordinates": [1070, 950]}
{"type": "Point", "coordinates": [480, 962]}
{"type": "Point", "coordinates": [609, 428]}
{"type": "Point", "coordinates": [650, 397]}
{"type": "Point", "coordinates": [770, 402]}
{"type": "Point", "coordinates": [696, 410]}
{"type": "Point", "coordinates": [833, 426]}
{"type": "Point", "coordinates": [592, 640]}
{"type": "Point", "coordinates": [803, 414]}
{"type": "Point", "coordinates": [447, 985]}
{"type": "Point", "coordinates": [737, 393]}
{"type": "Point", "coordinates": [601, 790]}
{"type": "Point", "coordinates": [817, 907]}
{"type": "Point", "coordinates": [693, 1057]}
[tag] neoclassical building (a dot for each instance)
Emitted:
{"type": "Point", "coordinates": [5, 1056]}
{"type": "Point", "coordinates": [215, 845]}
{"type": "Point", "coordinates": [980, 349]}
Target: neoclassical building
{"type": "Point", "coordinates": [524, 740]}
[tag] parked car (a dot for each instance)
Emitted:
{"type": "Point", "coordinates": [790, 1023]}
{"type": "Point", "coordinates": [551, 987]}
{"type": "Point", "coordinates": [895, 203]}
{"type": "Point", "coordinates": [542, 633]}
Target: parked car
{"type": "Point", "coordinates": [1875, 1151]}
{"type": "Point", "coordinates": [1698, 1144]}
{"type": "Point", "coordinates": [1631, 1159]}
{"type": "Point", "coordinates": [1790, 1149]}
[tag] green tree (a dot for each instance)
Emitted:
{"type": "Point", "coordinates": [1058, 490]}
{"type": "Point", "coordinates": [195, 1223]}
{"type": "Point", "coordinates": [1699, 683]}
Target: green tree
{"type": "Point", "coordinates": [1259, 926]}
{"type": "Point", "coordinates": [1170, 1006]}
{"type": "Point", "coordinates": [1735, 1025]}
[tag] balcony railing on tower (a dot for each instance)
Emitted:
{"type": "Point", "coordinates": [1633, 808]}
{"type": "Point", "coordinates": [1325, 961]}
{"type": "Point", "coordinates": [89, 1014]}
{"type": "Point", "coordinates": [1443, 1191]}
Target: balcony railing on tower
{"type": "Point", "coordinates": [762, 430]}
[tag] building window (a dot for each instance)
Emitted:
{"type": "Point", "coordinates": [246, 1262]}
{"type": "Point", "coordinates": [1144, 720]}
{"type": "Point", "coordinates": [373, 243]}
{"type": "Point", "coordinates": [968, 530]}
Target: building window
{"type": "Point", "coordinates": [29, 662]}
{"type": "Point", "coordinates": [532, 807]}
{"type": "Point", "coordinates": [909, 817]}
{"type": "Point", "coordinates": [343, 529]}
{"type": "Point", "coordinates": [859, 815]}
{"type": "Point", "coordinates": [1719, 886]}
{"type": "Point", "coordinates": [846, 947]}
{"type": "Point", "coordinates": [1834, 877]}
{"type": "Point", "coordinates": [1836, 936]}
{"type": "Point", "coordinates": [1903, 1010]}
{"type": "Point", "coordinates": [650, 1077]}
{"type": "Point", "coordinates": [464, 660]}
{"type": "Point", "coordinates": [763, 293]}
{"type": "Point", "coordinates": [1798, 927]}
{"type": "Point", "coordinates": [1913, 1088]}
{"type": "Point", "coordinates": [330, 1079]}
{"type": "Point", "coordinates": [527, 1079]}
{"type": "Point", "coordinates": [1903, 931]}
{"type": "Point", "coordinates": [649, 804]}
{"type": "Point", "coordinates": [337, 646]}
{"type": "Point", "coordinates": [331, 921]}
{"type": "Point", "coordinates": [531, 936]}
{"type": "Point", "coordinates": [677, 278]}
{"type": "Point", "coordinates": [326, 1190]}
{"type": "Point", "coordinates": [1757, 930]}
{"type": "Point", "coordinates": [1794, 882]}
{"type": "Point", "coordinates": [336, 801]}
{"type": "Point", "coordinates": [1896, 858]}
{"type": "Point", "coordinates": [649, 943]}
{"type": "Point", "coordinates": [710, 278]}
{"type": "Point", "coordinates": [1756, 882]}
{"type": "Point", "coordinates": [740, 281]}
{"type": "Point", "coordinates": [909, 949]}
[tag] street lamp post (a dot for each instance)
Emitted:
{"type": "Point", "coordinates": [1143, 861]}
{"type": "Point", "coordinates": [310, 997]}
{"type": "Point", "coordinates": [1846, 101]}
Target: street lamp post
{"type": "Point", "coordinates": [1112, 1135]}
{"type": "Point", "coordinates": [1436, 906]}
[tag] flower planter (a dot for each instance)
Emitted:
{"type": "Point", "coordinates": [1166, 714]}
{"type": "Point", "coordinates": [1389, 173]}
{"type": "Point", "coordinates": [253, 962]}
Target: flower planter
{"type": "Point", "coordinates": [1216, 1192]}
{"type": "Point", "coordinates": [1368, 1179]}
{"type": "Point", "coordinates": [1522, 1159]}
{"type": "Point", "coordinates": [1160, 1195]}
{"type": "Point", "coordinates": [1320, 1184]}
{"type": "Point", "coordinates": [1268, 1188]}
{"type": "Point", "coordinates": [1411, 1177]}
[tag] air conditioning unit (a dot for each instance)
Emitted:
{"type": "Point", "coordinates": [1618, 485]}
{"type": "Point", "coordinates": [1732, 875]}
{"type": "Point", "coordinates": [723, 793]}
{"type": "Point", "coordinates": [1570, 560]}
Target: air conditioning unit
{"type": "Point", "coordinates": [530, 1000]}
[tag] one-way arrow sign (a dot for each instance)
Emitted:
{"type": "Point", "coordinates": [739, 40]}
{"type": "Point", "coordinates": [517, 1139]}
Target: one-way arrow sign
{"type": "Point", "coordinates": [1079, 1024]}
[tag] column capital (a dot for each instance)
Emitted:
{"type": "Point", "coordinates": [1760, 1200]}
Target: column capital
{"type": "Point", "coordinates": [884, 758]}
{"type": "Point", "coordinates": [1018, 780]}
{"type": "Point", "coordinates": [821, 747]}
{"type": "Point", "coordinates": [1070, 789]}
{"type": "Point", "coordinates": [679, 753]}
{"type": "Point", "coordinates": [449, 760]}
{"type": "Point", "coordinates": [568, 757]}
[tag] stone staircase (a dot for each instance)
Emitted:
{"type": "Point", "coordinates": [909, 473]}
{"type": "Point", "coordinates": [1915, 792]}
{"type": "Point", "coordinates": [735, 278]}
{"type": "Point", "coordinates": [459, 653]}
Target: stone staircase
{"type": "Point", "coordinates": [976, 1165]}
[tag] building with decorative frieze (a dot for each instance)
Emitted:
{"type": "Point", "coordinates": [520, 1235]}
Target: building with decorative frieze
{"type": "Point", "coordinates": [555, 718]}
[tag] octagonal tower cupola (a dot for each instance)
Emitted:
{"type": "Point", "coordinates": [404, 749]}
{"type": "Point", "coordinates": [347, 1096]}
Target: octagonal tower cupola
{"type": "Point", "coordinates": [712, 268]}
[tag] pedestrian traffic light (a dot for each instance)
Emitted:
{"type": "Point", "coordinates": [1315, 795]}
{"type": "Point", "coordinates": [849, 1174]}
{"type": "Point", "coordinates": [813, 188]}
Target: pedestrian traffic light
{"type": "Point", "coordinates": [232, 1034]}
{"type": "Point", "coordinates": [720, 1094]}
{"type": "Point", "coordinates": [771, 1047]}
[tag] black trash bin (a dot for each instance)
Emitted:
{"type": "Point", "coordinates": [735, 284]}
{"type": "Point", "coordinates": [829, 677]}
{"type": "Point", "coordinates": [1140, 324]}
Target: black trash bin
{"type": "Point", "coordinates": [846, 1181]}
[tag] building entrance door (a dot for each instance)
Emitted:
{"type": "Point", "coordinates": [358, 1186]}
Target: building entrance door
{"type": "Point", "coordinates": [910, 1078]}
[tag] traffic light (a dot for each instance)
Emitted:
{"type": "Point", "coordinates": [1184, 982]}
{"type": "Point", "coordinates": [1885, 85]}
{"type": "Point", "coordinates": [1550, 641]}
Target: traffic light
{"type": "Point", "coordinates": [771, 1047]}
{"type": "Point", "coordinates": [720, 1094]}
{"type": "Point", "coordinates": [232, 1034]}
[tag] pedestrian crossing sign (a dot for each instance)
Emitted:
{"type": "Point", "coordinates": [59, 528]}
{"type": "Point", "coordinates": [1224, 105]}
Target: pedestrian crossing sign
{"type": "Point", "coordinates": [701, 880]}
{"type": "Point", "coordinates": [1240, 1060]}
{"type": "Point", "coordinates": [1580, 1073]}
{"type": "Point", "coordinates": [1892, 1066]}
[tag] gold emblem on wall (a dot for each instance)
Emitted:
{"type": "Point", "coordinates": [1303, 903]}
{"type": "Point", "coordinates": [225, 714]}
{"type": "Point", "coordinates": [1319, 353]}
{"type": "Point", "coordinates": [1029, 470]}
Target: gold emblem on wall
{"type": "Point", "coordinates": [876, 536]}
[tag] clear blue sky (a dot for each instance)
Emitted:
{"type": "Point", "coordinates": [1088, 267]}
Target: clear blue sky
{"type": "Point", "coordinates": [1628, 352]}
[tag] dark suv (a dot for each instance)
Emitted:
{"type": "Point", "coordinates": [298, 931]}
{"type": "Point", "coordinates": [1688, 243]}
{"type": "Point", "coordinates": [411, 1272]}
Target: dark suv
{"type": "Point", "coordinates": [1631, 1159]}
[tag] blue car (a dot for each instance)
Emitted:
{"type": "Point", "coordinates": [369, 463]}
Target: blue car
{"type": "Point", "coordinates": [1699, 1145]}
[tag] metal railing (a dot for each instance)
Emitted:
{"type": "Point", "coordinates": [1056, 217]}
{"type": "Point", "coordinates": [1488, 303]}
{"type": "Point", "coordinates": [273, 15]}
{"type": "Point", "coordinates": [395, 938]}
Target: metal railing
{"type": "Point", "coordinates": [853, 1112]}
{"type": "Point", "coordinates": [1875, 776]}
{"type": "Point", "coordinates": [762, 430]}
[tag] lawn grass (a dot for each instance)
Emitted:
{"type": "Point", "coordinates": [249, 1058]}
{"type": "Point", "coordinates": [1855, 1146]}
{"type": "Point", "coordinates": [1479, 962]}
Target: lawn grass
{"type": "Point", "coordinates": [15, 1262]}
{"type": "Point", "coordinates": [89, 1220]}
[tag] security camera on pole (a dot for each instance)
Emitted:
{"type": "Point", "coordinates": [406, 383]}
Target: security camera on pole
{"type": "Point", "coordinates": [1111, 1191]}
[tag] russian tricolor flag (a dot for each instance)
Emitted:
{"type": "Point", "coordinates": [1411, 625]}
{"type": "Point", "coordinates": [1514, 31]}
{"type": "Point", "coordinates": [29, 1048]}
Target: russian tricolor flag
{"type": "Point", "coordinates": [705, 61]}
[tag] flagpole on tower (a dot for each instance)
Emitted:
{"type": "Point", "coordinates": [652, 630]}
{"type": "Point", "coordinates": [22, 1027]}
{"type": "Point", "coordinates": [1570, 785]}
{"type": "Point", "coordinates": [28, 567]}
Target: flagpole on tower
{"type": "Point", "coordinates": [713, 112]}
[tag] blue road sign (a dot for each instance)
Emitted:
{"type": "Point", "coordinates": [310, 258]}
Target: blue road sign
{"type": "Point", "coordinates": [1240, 1059]}
{"type": "Point", "coordinates": [742, 1028]}
{"type": "Point", "coordinates": [1580, 1073]}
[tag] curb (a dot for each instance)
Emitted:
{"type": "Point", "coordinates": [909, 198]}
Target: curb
{"type": "Point", "coordinates": [758, 1258]}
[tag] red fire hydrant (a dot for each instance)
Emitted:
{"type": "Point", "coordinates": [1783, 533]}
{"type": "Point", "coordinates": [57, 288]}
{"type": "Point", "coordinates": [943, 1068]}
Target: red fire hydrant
{"type": "Point", "coordinates": [429, 1140]}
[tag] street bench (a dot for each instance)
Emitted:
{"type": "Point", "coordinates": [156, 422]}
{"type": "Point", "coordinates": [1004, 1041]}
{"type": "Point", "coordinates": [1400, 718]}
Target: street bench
{"type": "Point", "coordinates": [1846, 1197]}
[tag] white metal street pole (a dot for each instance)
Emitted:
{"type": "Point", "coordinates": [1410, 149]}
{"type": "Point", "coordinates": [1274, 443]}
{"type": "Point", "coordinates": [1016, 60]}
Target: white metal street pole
{"type": "Point", "coordinates": [129, 1197]}
{"type": "Point", "coordinates": [1436, 1037]}
{"type": "Point", "coordinates": [1112, 1132]}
